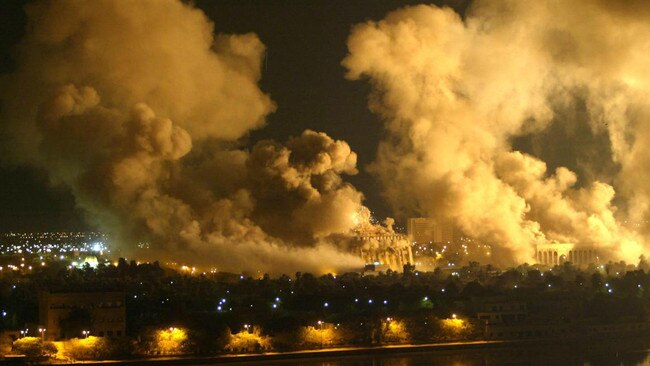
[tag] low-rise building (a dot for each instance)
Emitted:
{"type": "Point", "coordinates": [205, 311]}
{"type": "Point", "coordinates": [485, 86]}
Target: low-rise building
{"type": "Point", "coordinates": [67, 314]}
{"type": "Point", "coordinates": [501, 310]}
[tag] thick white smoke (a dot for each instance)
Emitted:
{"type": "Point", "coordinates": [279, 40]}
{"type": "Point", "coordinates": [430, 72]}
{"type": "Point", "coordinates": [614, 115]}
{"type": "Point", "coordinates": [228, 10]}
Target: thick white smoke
{"type": "Point", "coordinates": [138, 108]}
{"type": "Point", "coordinates": [457, 94]}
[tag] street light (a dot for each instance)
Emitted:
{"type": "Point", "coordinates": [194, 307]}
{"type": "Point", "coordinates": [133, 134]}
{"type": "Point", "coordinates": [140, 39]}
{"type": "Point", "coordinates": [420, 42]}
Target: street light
{"type": "Point", "coordinates": [85, 333]}
{"type": "Point", "coordinates": [320, 330]}
{"type": "Point", "coordinates": [384, 329]}
{"type": "Point", "coordinates": [247, 327]}
{"type": "Point", "coordinates": [42, 331]}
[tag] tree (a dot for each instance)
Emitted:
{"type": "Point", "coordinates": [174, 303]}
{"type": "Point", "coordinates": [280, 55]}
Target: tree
{"type": "Point", "coordinates": [408, 270]}
{"type": "Point", "coordinates": [249, 341]}
{"type": "Point", "coordinates": [643, 263]}
{"type": "Point", "coordinates": [32, 347]}
{"type": "Point", "coordinates": [394, 331]}
{"type": "Point", "coordinates": [596, 280]}
{"type": "Point", "coordinates": [76, 321]}
{"type": "Point", "coordinates": [90, 348]}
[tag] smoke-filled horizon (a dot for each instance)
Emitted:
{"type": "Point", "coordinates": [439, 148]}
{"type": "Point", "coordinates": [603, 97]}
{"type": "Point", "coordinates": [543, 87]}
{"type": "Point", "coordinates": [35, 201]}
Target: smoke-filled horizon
{"type": "Point", "coordinates": [142, 108]}
{"type": "Point", "coordinates": [457, 95]}
{"type": "Point", "coordinates": [144, 122]}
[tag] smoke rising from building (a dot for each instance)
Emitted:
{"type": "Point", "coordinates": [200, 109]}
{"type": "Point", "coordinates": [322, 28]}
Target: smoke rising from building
{"type": "Point", "coordinates": [523, 122]}
{"type": "Point", "coordinates": [458, 95]}
{"type": "Point", "coordinates": [139, 109]}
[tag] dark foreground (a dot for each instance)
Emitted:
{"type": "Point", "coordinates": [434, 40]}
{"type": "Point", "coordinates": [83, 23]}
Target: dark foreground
{"type": "Point", "coordinates": [618, 351]}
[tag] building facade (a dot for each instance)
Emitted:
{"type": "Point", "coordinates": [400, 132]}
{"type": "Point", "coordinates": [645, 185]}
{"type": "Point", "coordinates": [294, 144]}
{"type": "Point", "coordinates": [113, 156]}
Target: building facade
{"type": "Point", "coordinates": [68, 314]}
{"type": "Point", "coordinates": [554, 254]}
{"type": "Point", "coordinates": [391, 250]}
{"type": "Point", "coordinates": [497, 311]}
{"type": "Point", "coordinates": [427, 230]}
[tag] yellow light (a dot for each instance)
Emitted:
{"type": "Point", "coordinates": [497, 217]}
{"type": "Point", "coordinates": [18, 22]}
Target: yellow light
{"type": "Point", "coordinates": [394, 331]}
{"type": "Point", "coordinates": [454, 324]}
{"type": "Point", "coordinates": [354, 217]}
{"type": "Point", "coordinates": [89, 341]}
{"type": "Point", "coordinates": [324, 335]}
{"type": "Point", "coordinates": [171, 340]}
{"type": "Point", "coordinates": [248, 340]}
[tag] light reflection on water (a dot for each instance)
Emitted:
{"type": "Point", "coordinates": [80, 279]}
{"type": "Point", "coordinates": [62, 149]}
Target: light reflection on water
{"type": "Point", "coordinates": [624, 352]}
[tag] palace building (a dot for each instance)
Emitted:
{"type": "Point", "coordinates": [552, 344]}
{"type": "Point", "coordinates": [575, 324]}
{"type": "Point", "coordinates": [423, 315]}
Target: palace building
{"type": "Point", "coordinates": [553, 254]}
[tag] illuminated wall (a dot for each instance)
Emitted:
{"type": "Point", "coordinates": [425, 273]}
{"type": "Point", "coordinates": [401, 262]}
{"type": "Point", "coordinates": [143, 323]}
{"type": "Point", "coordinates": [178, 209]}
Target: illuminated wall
{"type": "Point", "coordinates": [106, 309]}
{"type": "Point", "coordinates": [558, 253]}
{"type": "Point", "coordinates": [392, 250]}
{"type": "Point", "coordinates": [428, 230]}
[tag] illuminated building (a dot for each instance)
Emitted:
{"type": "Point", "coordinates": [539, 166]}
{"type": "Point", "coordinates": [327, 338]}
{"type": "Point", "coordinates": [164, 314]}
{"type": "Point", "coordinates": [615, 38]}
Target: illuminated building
{"type": "Point", "coordinates": [391, 250]}
{"type": "Point", "coordinates": [102, 313]}
{"type": "Point", "coordinates": [553, 254]}
{"type": "Point", "coordinates": [428, 230]}
{"type": "Point", "coordinates": [501, 310]}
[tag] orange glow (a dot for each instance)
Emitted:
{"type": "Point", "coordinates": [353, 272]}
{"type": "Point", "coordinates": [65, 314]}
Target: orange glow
{"type": "Point", "coordinates": [249, 340]}
{"type": "Point", "coordinates": [394, 331]}
{"type": "Point", "coordinates": [454, 328]}
{"type": "Point", "coordinates": [171, 341]}
{"type": "Point", "coordinates": [320, 335]}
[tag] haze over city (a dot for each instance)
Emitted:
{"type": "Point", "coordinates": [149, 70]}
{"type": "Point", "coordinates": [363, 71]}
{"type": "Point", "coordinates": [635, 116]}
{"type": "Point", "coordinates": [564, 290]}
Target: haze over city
{"type": "Point", "coordinates": [254, 136]}
{"type": "Point", "coordinates": [325, 182]}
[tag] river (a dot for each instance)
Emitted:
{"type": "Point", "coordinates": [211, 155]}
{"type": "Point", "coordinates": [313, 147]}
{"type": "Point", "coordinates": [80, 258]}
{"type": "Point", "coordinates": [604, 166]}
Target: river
{"type": "Point", "coordinates": [634, 351]}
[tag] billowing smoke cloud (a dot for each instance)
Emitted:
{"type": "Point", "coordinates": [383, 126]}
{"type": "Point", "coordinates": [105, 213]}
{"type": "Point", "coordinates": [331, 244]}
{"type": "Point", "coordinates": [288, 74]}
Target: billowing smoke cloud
{"type": "Point", "coordinates": [458, 95]}
{"type": "Point", "coordinates": [138, 108]}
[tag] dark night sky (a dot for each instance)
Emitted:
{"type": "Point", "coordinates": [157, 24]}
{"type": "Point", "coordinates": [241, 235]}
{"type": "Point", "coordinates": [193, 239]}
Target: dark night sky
{"type": "Point", "coordinates": [305, 40]}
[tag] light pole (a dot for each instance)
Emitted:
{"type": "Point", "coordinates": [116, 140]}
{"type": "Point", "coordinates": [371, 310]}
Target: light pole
{"type": "Point", "coordinates": [42, 331]}
{"type": "Point", "coordinates": [388, 320]}
{"type": "Point", "coordinates": [85, 333]}
{"type": "Point", "coordinates": [320, 330]}
{"type": "Point", "coordinates": [248, 339]}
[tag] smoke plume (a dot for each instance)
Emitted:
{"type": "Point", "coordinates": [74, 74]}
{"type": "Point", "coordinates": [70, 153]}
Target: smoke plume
{"type": "Point", "coordinates": [139, 109]}
{"type": "Point", "coordinates": [461, 97]}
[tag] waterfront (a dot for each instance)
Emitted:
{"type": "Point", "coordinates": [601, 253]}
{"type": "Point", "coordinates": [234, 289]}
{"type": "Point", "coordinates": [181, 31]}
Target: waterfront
{"type": "Point", "coordinates": [627, 352]}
